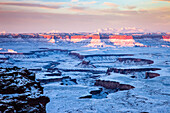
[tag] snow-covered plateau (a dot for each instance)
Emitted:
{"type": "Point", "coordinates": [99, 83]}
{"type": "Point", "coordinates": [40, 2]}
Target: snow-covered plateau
{"type": "Point", "coordinates": [96, 75]}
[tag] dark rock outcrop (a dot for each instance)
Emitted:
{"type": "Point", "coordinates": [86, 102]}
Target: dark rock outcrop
{"type": "Point", "coordinates": [85, 64]}
{"type": "Point", "coordinates": [151, 75]}
{"type": "Point", "coordinates": [108, 87]}
{"type": "Point", "coordinates": [53, 74]}
{"type": "Point", "coordinates": [20, 92]}
{"type": "Point", "coordinates": [129, 71]}
{"type": "Point", "coordinates": [84, 97]}
{"type": "Point", "coordinates": [48, 80]}
{"type": "Point", "coordinates": [95, 92]}
{"type": "Point", "coordinates": [68, 81]}
{"type": "Point", "coordinates": [135, 60]}
{"type": "Point", "coordinates": [102, 55]}
{"type": "Point", "coordinates": [113, 85]}
{"type": "Point", "coordinates": [125, 87]}
{"type": "Point", "coordinates": [65, 80]}
{"type": "Point", "coordinates": [84, 70]}
{"type": "Point", "coordinates": [76, 55]}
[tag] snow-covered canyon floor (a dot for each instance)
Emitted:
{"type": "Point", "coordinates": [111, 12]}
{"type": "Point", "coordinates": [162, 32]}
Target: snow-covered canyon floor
{"type": "Point", "coordinates": [130, 79]}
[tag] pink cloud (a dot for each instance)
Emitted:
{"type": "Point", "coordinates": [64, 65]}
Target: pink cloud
{"type": "Point", "coordinates": [163, 0]}
{"type": "Point", "coordinates": [74, 0]}
{"type": "Point", "coordinates": [130, 7]}
{"type": "Point", "coordinates": [86, 3]}
{"type": "Point", "coordinates": [15, 21]}
{"type": "Point", "coordinates": [110, 4]}
{"type": "Point", "coordinates": [30, 5]}
{"type": "Point", "coordinates": [77, 9]}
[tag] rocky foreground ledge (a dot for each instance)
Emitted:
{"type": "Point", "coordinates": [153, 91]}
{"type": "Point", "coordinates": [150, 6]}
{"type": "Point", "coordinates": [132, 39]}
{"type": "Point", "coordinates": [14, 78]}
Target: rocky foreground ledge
{"type": "Point", "coordinates": [20, 92]}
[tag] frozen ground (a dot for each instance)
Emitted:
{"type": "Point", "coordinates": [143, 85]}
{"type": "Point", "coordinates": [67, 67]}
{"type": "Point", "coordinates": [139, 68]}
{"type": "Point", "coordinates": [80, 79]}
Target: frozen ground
{"type": "Point", "coordinates": [66, 78]}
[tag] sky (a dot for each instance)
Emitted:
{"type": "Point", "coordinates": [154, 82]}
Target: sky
{"type": "Point", "coordinates": [37, 16]}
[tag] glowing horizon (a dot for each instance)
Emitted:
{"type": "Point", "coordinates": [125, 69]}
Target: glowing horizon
{"type": "Point", "coordinates": [36, 16]}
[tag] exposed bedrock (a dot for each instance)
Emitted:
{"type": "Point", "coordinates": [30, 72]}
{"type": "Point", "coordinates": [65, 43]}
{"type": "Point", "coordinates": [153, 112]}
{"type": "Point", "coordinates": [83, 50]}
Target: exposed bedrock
{"type": "Point", "coordinates": [76, 55]}
{"type": "Point", "coordinates": [2, 60]}
{"type": "Point", "coordinates": [151, 75]}
{"type": "Point", "coordinates": [85, 64]}
{"type": "Point", "coordinates": [135, 61]}
{"type": "Point", "coordinates": [68, 81]}
{"type": "Point", "coordinates": [129, 71]}
{"type": "Point", "coordinates": [44, 52]}
{"type": "Point", "coordinates": [65, 80]}
{"type": "Point", "coordinates": [84, 97]}
{"type": "Point", "coordinates": [48, 80]}
{"type": "Point", "coordinates": [113, 85]}
{"type": "Point", "coordinates": [53, 72]}
{"type": "Point", "coordinates": [108, 87]}
{"type": "Point", "coordinates": [35, 70]}
{"type": "Point", "coordinates": [20, 92]}
{"type": "Point", "coordinates": [84, 70]}
{"type": "Point", "coordinates": [104, 55]}
{"type": "Point", "coordinates": [51, 65]}
{"type": "Point", "coordinates": [95, 92]}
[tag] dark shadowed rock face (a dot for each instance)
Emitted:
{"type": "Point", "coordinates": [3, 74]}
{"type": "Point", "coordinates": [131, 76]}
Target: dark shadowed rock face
{"type": "Point", "coordinates": [135, 61]}
{"type": "Point", "coordinates": [107, 84]}
{"type": "Point", "coordinates": [129, 71]}
{"type": "Point", "coordinates": [95, 92]}
{"type": "Point", "coordinates": [108, 87]}
{"type": "Point", "coordinates": [86, 97]}
{"type": "Point", "coordinates": [85, 64]}
{"type": "Point", "coordinates": [20, 92]}
{"type": "Point", "coordinates": [113, 85]}
{"type": "Point", "coordinates": [151, 75]}
{"type": "Point", "coordinates": [136, 73]}
{"type": "Point", "coordinates": [125, 87]}
{"type": "Point", "coordinates": [76, 55]}
{"type": "Point", "coordinates": [65, 80]}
